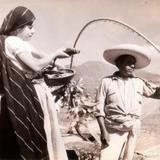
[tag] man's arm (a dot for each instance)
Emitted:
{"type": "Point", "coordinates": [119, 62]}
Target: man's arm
{"type": "Point", "coordinates": [151, 90]}
{"type": "Point", "coordinates": [104, 132]}
{"type": "Point", "coordinates": [156, 94]}
{"type": "Point", "coordinates": [101, 98]}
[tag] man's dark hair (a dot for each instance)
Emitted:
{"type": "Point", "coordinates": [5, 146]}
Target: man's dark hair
{"type": "Point", "coordinates": [120, 60]}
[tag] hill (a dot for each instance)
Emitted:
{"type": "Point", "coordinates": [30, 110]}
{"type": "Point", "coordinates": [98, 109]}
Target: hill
{"type": "Point", "coordinates": [93, 71]}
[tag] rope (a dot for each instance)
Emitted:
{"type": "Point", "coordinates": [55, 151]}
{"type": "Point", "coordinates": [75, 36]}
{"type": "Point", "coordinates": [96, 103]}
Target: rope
{"type": "Point", "coordinates": [116, 22]}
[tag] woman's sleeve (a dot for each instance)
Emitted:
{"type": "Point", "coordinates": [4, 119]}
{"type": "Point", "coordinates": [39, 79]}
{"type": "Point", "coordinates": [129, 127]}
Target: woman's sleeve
{"type": "Point", "coordinates": [15, 45]}
{"type": "Point", "coordinates": [101, 98]}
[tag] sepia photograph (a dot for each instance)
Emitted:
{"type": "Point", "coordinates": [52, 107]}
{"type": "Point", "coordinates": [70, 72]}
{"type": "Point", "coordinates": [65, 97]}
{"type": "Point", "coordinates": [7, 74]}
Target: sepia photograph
{"type": "Point", "coordinates": [79, 80]}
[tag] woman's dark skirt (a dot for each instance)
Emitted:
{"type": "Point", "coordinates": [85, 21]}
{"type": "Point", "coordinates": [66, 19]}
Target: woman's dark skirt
{"type": "Point", "coordinates": [8, 145]}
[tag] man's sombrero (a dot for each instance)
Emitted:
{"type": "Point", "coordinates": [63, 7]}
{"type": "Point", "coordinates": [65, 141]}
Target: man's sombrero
{"type": "Point", "coordinates": [140, 53]}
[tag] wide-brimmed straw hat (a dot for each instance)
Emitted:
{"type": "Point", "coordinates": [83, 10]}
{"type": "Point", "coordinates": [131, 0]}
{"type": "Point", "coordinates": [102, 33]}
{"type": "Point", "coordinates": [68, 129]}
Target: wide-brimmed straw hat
{"type": "Point", "coordinates": [140, 53]}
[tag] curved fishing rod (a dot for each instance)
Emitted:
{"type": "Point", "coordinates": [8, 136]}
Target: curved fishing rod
{"type": "Point", "coordinates": [116, 22]}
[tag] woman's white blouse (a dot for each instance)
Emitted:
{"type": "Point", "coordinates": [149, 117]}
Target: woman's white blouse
{"type": "Point", "coordinates": [14, 46]}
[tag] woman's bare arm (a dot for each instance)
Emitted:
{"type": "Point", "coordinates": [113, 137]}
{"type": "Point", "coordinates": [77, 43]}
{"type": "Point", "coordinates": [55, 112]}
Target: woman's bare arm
{"type": "Point", "coordinates": [36, 64]}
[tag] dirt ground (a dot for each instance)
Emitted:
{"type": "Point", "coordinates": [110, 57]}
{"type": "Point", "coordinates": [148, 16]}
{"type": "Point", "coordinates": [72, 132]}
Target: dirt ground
{"type": "Point", "coordinates": [148, 146]}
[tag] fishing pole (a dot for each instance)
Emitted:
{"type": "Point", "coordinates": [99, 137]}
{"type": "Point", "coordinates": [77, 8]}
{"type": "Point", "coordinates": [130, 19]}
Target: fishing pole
{"type": "Point", "coordinates": [115, 22]}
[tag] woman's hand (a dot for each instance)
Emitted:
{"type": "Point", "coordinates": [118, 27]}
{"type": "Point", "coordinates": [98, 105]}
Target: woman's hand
{"type": "Point", "coordinates": [64, 53]}
{"type": "Point", "coordinates": [71, 51]}
{"type": "Point", "coordinates": [60, 55]}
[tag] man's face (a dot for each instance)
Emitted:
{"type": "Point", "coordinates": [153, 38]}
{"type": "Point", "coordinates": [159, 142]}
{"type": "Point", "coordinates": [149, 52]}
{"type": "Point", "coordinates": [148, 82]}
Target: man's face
{"type": "Point", "coordinates": [126, 68]}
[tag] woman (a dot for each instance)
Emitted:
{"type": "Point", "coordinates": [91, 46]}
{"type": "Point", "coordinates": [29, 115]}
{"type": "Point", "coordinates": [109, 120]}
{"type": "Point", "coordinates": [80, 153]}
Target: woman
{"type": "Point", "coordinates": [28, 106]}
{"type": "Point", "coordinates": [120, 101]}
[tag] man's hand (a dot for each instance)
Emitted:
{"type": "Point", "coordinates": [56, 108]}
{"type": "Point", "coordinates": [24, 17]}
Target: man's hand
{"type": "Point", "coordinates": [104, 133]}
{"type": "Point", "coordinates": [105, 139]}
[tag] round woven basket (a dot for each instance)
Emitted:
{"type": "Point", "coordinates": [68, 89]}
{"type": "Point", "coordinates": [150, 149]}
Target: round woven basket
{"type": "Point", "coordinates": [60, 77]}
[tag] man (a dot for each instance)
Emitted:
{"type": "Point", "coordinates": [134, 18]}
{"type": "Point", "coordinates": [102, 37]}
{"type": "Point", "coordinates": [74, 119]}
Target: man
{"type": "Point", "coordinates": [120, 99]}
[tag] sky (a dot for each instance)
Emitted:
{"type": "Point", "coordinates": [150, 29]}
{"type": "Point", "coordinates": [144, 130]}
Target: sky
{"type": "Point", "coordinates": [58, 23]}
